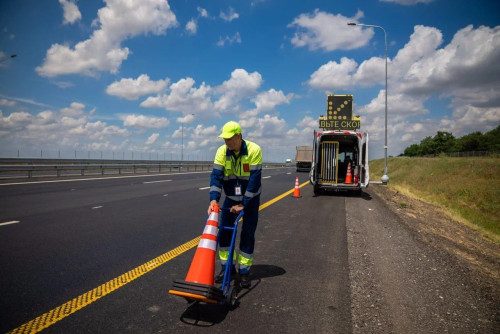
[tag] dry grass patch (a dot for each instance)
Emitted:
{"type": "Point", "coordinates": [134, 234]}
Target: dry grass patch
{"type": "Point", "coordinates": [468, 189]}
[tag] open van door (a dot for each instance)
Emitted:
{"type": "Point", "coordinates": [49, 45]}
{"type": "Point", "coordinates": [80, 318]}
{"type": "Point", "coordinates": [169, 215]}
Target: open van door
{"type": "Point", "coordinates": [365, 168]}
{"type": "Point", "coordinates": [312, 176]}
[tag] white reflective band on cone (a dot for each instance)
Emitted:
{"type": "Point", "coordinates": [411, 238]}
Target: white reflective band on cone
{"type": "Point", "coordinates": [209, 229]}
{"type": "Point", "coordinates": [207, 243]}
{"type": "Point", "coordinates": [214, 216]}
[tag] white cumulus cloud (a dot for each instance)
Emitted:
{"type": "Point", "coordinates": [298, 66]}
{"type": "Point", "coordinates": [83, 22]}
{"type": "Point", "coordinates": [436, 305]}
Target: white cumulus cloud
{"type": "Point", "coordinates": [333, 75]}
{"type": "Point", "coordinates": [189, 118]}
{"type": "Point", "coordinates": [236, 38]}
{"type": "Point", "coordinates": [145, 122]}
{"type": "Point", "coordinates": [267, 101]}
{"type": "Point", "coordinates": [7, 103]}
{"type": "Point", "coordinates": [152, 139]}
{"type": "Point", "coordinates": [184, 97]}
{"type": "Point", "coordinates": [71, 12]}
{"type": "Point", "coordinates": [192, 26]}
{"type": "Point", "coordinates": [203, 12]}
{"type": "Point", "coordinates": [132, 89]}
{"type": "Point", "coordinates": [241, 85]}
{"type": "Point", "coordinates": [116, 22]}
{"type": "Point", "coordinates": [67, 127]}
{"type": "Point", "coordinates": [74, 110]}
{"type": "Point", "coordinates": [205, 133]}
{"type": "Point", "coordinates": [229, 15]}
{"type": "Point", "coordinates": [321, 30]}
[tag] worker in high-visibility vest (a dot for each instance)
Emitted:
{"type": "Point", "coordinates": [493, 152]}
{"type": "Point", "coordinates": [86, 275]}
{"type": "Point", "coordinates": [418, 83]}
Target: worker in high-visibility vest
{"type": "Point", "coordinates": [237, 170]}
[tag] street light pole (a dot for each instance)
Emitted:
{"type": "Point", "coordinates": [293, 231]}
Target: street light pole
{"type": "Point", "coordinates": [385, 177]}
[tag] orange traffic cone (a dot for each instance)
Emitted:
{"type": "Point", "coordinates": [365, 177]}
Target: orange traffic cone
{"type": "Point", "coordinates": [348, 177]}
{"type": "Point", "coordinates": [202, 268]}
{"type": "Point", "coordinates": [296, 192]}
{"type": "Point", "coordinates": [199, 283]}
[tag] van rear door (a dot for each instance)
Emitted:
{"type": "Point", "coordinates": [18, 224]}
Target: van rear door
{"type": "Point", "coordinates": [365, 168]}
{"type": "Point", "coordinates": [312, 173]}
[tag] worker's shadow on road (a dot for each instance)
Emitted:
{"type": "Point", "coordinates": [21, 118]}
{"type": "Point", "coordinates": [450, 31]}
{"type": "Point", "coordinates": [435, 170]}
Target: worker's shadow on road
{"type": "Point", "coordinates": [207, 315]}
{"type": "Point", "coordinates": [260, 271]}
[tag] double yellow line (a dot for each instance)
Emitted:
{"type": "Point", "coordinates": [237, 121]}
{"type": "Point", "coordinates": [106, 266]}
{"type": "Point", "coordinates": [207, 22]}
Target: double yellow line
{"type": "Point", "coordinates": [45, 320]}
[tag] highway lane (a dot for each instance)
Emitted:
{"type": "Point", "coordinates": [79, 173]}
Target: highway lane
{"type": "Point", "coordinates": [73, 236]}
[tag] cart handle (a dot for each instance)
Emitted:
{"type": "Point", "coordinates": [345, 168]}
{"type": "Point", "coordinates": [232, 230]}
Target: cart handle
{"type": "Point", "coordinates": [238, 219]}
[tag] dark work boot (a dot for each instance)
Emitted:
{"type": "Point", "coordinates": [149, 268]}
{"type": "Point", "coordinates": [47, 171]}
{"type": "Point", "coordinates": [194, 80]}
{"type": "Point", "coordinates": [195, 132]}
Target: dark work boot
{"type": "Point", "coordinates": [245, 281]}
{"type": "Point", "coordinates": [220, 276]}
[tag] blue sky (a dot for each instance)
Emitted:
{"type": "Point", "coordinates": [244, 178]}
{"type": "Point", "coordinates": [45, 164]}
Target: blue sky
{"type": "Point", "coordinates": [125, 77]}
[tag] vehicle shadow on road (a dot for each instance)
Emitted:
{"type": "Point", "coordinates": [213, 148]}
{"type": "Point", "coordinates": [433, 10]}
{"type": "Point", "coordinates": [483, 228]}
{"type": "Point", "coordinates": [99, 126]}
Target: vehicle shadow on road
{"type": "Point", "coordinates": [207, 315]}
{"type": "Point", "coordinates": [364, 195]}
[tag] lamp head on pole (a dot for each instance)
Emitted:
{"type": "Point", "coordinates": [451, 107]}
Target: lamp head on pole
{"type": "Point", "coordinates": [351, 24]}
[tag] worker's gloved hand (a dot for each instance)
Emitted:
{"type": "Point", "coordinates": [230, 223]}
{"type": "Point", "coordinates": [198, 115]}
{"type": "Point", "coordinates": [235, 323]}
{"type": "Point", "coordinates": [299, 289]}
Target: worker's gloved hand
{"type": "Point", "coordinates": [237, 208]}
{"type": "Point", "coordinates": [211, 207]}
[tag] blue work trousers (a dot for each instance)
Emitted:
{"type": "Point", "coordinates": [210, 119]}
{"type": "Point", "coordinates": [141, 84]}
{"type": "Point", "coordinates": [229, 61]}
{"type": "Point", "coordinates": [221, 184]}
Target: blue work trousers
{"type": "Point", "coordinates": [247, 237]}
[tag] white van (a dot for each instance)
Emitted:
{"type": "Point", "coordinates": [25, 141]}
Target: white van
{"type": "Point", "coordinates": [333, 152]}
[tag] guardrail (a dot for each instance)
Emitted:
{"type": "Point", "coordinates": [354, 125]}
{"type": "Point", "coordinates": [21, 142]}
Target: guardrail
{"type": "Point", "coordinates": [58, 170]}
{"type": "Point", "coordinates": [10, 169]}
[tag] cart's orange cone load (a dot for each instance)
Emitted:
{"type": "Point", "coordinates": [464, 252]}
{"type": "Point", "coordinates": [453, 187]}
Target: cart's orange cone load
{"type": "Point", "coordinates": [348, 177]}
{"type": "Point", "coordinates": [296, 192]}
{"type": "Point", "coordinates": [202, 268]}
{"type": "Point", "coordinates": [199, 283]}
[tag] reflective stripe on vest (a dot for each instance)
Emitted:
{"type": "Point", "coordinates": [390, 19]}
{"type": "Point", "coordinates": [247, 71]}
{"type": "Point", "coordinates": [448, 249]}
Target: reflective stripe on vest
{"type": "Point", "coordinates": [235, 198]}
{"type": "Point", "coordinates": [217, 189]}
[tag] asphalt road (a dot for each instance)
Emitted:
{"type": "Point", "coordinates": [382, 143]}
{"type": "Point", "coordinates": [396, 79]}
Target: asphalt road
{"type": "Point", "coordinates": [72, 237]}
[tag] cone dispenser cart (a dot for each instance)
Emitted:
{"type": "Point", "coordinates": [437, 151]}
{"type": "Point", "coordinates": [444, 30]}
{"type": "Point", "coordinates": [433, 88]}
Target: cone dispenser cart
{"type": "Point", "coordinates": [199, 283]}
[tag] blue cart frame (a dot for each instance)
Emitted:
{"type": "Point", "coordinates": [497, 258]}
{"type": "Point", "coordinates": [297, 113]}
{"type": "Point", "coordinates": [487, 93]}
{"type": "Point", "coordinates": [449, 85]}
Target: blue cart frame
{"type": "Point", "coordinates": [229, 292]}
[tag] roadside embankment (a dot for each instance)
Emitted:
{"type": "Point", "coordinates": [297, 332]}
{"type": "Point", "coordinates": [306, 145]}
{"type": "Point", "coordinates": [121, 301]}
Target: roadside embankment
{"type": "Point", "coordinates": [451, 204]}
{"type": "Point", "coordinates": [466, 189]}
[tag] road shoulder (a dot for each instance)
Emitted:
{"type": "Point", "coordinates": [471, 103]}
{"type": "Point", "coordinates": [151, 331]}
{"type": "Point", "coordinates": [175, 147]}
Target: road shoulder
{"type": "Point", "coordinates": [401, 282]}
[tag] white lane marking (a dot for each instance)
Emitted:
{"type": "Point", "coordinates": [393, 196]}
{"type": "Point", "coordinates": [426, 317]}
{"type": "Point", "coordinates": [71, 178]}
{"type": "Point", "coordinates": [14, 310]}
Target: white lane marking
{"type": "Point", "coordinates": [266, 177]}
{"type": "Point", "coordinates": [157, 181]}
{"type": "Point", "coordinates": [97, 207]}
{"type": "Point", "coordinates": [288, 173]}
{"type": "Point", "coordinates": [100, 178]}
{"type": "Point", "coordinates": [165, 195]}
{"type": "Point", "coordinates": [107, 178]}
{"type": "Point", "coordinates": [204, 188]}
{"type": "Point", "coordinates": [8, 223]}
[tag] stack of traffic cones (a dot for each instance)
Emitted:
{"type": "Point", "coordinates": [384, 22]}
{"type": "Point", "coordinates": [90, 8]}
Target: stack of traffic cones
{"type": "Point", "coordinates": [296, 192]}
{"type": "Point", "coordinates": [348, 177]}
{"type": "Point", "coordinates": [199, 283]}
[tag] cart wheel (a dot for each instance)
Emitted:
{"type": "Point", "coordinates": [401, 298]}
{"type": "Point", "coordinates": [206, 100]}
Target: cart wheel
{"type": "Point", "coordinates": [231, 298]}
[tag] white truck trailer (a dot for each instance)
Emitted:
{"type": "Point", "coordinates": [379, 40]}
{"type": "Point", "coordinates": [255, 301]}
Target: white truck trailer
{"type": "Point", "coordinates": [303, 158]}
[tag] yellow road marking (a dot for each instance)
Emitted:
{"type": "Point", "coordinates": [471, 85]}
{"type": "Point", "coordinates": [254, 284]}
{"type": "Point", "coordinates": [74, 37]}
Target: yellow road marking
{"type": "Point", "coordinates": [45, 320]}
{"type": "Point", "coordinates": [274, 200]}
{"type": "Point", "coordinates": [61, 312]}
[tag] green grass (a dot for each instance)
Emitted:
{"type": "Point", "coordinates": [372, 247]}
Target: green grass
{"type": "Point", "coordinates": [467, 188]}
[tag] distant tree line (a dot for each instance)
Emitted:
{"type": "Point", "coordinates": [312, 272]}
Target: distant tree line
{"type": "Point", "coordinates": [445, 142]}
